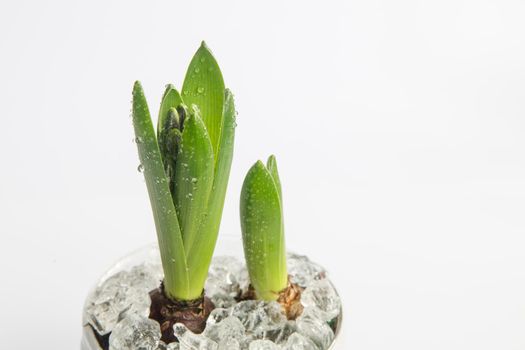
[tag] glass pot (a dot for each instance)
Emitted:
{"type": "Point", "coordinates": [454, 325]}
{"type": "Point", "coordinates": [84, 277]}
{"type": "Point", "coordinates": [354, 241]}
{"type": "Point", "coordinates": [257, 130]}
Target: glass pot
{"type": "Point", "coordinates": [226, 245]}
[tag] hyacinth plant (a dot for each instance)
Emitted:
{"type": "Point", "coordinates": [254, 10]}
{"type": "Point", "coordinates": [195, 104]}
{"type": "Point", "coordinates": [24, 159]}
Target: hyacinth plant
{"type": "Point", "coordinates": [262, 228]}
{"type": "Point", "coordinates": [186, 165]}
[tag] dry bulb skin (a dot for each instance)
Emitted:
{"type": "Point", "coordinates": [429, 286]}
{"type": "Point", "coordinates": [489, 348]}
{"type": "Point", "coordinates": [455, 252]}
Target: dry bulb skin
{"type": "Point", "coordinates": [290, 300]}
{"type": "Point", "coordinates": [167, 312]}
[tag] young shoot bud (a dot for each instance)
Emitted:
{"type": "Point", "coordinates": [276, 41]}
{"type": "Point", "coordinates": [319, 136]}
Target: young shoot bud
{"type": "Point", "coordinates": [263, 230]}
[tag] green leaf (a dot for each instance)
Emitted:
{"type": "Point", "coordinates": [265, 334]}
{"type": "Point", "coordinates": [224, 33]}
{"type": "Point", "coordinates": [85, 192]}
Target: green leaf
{"type": "Point", "coordinates": [170, 99]}
{"type": "Point", "coordinates": [193, 176]}
{"type": "Point", "coordinates": [271, 164]}
{"type": "Point", "coordinates": [168, 119]}
{"type": "Point", "coordinates": [204, 87]}
{"type": "Point", "coordinates": [169, 142]}
{"type": "Point", "coordinates": [176, 280]}
{"type": "Point", "coordinates": [263, 235]}
{"type": "Point", "coordinates": [200, 253]}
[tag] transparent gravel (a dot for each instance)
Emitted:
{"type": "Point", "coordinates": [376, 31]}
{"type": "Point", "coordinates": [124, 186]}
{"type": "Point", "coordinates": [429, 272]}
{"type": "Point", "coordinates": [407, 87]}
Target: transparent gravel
{"type": "Point", "coordinates": [120, 304]}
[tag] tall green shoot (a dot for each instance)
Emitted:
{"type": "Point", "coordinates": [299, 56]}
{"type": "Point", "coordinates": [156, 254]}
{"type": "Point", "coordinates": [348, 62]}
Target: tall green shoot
{"type": "Point", "coordinates": [186, 166]}
{"type": "Point", "coordinates": [263, 230]}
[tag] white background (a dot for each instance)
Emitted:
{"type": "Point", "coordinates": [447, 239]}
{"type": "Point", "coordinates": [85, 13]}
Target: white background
{"type": "Point", "coordinates": [398, 127]}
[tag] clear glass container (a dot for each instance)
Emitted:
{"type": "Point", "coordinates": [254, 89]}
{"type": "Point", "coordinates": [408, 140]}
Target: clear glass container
{"type": "Point", "coordinates": [226, 245]}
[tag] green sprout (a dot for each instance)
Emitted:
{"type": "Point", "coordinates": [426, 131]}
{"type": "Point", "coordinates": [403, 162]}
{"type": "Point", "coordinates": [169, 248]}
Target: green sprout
{"type": "Point", "coordinates": [186, 165]}
{"type": "Point", "coordinates": [263, 230]}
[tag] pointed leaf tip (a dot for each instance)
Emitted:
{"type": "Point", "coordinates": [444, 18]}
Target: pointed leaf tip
{"type": "Point", "coordinates": [168, 90]}
{"type": "Point", "coordinates": [137, 87]}
{"type": "Point", "coordinates": [204, 87]}
{"type": "Point", "coordinates": [271, 164]}
{"type": "Point", "coordinates": [271, 161]}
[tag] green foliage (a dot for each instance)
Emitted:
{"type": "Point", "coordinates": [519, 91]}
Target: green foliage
{"type": "Point", "coordinates": [263, 229]}
{"type": "Point", "coordinates": [168, 231]}
{"type": "Point", "coordinates": [204, 87]}
{"type": "Point", "coordinates": [193, 176]}
{"type": "Point", "coordinates": [200, 252]}
{"type": "Point", "coordinates": [186, 167]}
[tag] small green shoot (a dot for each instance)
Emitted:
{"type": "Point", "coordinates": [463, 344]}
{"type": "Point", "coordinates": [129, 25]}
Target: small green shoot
{"type": "Point", "coordinates": [263, 230]}
{"type": "Point", "coordinates": [186, 165]}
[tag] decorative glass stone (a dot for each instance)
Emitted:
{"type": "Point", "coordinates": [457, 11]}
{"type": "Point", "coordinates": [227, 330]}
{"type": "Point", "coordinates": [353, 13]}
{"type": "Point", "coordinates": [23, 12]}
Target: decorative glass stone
{"type": "Point", "coordinates": [280, 334]}
{"type": "Point", "coordinates": [217, 315]}
{"type": "Point", "coordinates": [173, 346]}
{"type": "Point", "coordinates": [258, 316]}
{"type": "Point", "coordinates": [222, 300]}
{"type": "Point", "coordinates": [230, 344]}
{"type": "Point", "coordinates": [263, 345]}
{"type": "Point", "coordinates": [311, 326]}
{"type": "Point", "coordinates": [191, 341]}
{"type": "Point", "coordinates": [229, 328]}
{"type": "Point", "coordinates": [135, 332]}
{"type": "Point", "coordinates": [302, 271]}
{"type": "Point", "coordinates": [322, 295]}
{"type": "Point", "coordinates": [224, 276]}
{"type": "Point", "coordinates": [299, 342]}
{"type": "Point", "coordinates": [124, 293]}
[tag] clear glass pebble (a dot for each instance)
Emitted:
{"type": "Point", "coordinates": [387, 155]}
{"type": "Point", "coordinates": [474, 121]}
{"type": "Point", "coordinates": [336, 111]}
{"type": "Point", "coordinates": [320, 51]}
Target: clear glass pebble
{"type": "Point", "coordinates": [316, 329]}
{"type": "Point", "coordinates": [299, 342]}
{"type": "Point", "coordinates": [322, 295]}
{"type": "Point", "coordinates": [230, 344]}
{"type": "Point", "coordinates": [224, 274]}
{"type": "Point", "coordinates": [280, 335]}
{"type": "Point", "coordinates": [173, 346]}
{"type": "Point", "coordinates": [302, 270]}
{"type": "Point", "coordinates": [258, 316]}
{"type": "Point", "coordinates": [217, 315]}
{"type": "Point", "coordinates": [229, 328]}
{"type": "Point", "coordinates": [191, 341]}
{"type": "Point", "coordinates": [227, 278]}
{"type": "Point", "coordinates": [222, 300]}
{"type": "Point", "coordinates": [263, 345]}
{"type": "Point", "coordinates": [126, 292]}
{"type": "Point", "coordinates": [146, 276]}
{"type": "Point", "coordinates": [135, 332]}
